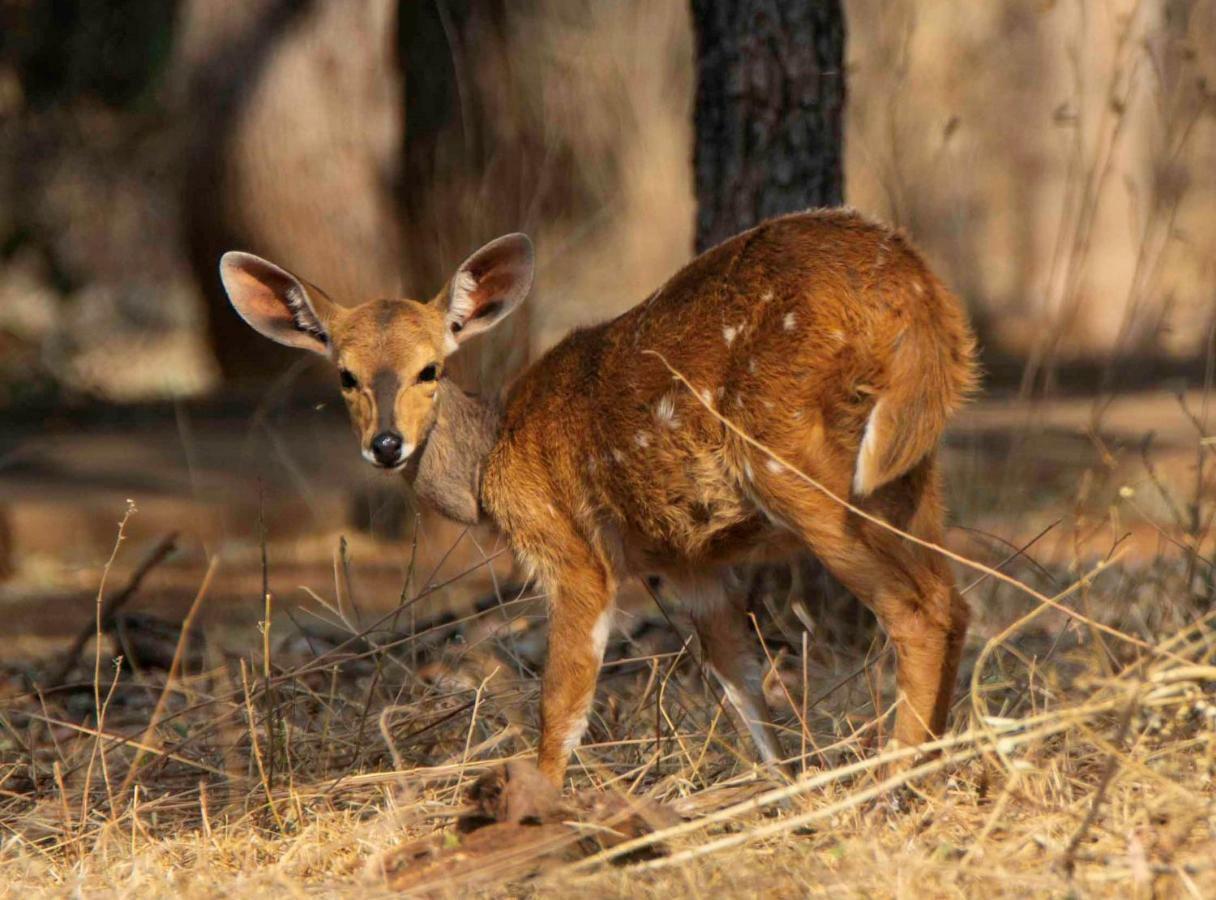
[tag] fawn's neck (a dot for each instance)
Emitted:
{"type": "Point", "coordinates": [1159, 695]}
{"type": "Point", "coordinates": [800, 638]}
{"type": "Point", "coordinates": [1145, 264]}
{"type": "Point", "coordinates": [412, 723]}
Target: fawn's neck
{"type": "Point", "coordinates": [446, 473]}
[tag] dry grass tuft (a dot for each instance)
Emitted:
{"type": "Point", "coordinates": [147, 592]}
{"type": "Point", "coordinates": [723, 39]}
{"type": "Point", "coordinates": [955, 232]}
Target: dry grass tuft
{"type": "Point", "coordinates": [326, 755]}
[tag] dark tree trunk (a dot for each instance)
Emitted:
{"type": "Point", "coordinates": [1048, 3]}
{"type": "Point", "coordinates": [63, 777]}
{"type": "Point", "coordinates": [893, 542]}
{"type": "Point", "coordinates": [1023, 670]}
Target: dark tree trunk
{"type": "Point", "coordinates": [769, 111]}
{"type": "Point", "coordinates": [769, 117]}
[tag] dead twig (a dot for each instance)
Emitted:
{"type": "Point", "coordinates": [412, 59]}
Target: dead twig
{"type": "Point", "coordinates": [1069, 860]}
{"type": "Point", "coordinates": [112, 605]}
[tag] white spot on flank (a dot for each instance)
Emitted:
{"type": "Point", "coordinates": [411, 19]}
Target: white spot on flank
{"type": "Point", "coordinates": [918, 287]}
{"type": "Point", "coordinates": [707, 397]}
{"type": "Point", "coordinates": [751, 366]}
{"type": "Point", "coordinates": [618, 455]}
{"type": "Point", "coordinates": [863, 475]}
{"type": "Point", "coordinates": [642, 439]}
{"type": "Point", "coordinates": [768, 295]}
{"type": "Point", "coordinates": [789, 321]}
{"type": "Point", "coordinates": [775, 467]}
{"type": "Point", "coordinates": [665, 412]}
{"type": "Point", "coordinates": [729, 332]}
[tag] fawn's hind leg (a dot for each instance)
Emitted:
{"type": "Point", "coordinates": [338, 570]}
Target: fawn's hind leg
{"type": "Point", "coordinates": [910, 588]}
{"type": "Point", "coordinates": [732, 653]}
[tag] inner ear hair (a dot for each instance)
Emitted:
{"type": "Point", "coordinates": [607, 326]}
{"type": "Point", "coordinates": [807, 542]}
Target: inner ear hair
{"type": "Point", "coordinates": [276, 303]}
{"type": "Point", "coordinates": [303, 316]}
{"type": "Point", "coordinates": [489, 284]}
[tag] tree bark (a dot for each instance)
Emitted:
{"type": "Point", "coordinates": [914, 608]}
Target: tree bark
{"type": "Point", "coordinates": [769, 111]}
{"type": "Point", "coordinates": [769, 140]}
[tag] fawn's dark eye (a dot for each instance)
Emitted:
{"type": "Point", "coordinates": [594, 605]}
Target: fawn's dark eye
{"type": "Point", "coordinates": [430, 373]}
{"type": "Point", "coordinates": [349, 381]}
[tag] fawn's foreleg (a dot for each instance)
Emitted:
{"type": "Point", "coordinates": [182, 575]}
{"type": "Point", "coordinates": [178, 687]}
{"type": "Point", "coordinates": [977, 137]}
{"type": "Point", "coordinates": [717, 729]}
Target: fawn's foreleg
{"type": "Point", "coordinates": [580, 619]}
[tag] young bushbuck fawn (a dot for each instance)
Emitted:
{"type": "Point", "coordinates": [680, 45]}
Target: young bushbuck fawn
{"type": "Point", "coordinates": [822, 336]}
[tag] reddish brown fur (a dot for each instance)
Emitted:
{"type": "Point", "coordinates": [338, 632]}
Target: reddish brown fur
{"type": "Point", "coordinates": [603, 466]}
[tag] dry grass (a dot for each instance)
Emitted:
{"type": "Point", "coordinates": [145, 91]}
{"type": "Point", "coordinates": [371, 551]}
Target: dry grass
{"type": "Point", "coordinates": [1081, 760]}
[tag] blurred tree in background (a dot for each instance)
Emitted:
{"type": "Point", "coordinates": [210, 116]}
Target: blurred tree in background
{"type": "Point", "coordinates": [111, 51]}
{"type": "Point", "coordinates": [769, 111]}
{"type": "Point", "coordinates": [293, 121]}
{"type": "Point", "coordinates": [452, 109]}
{"type": "Point", "coordinates": [85, 177]}
{"type": "Point", "coordinates": [552, 117]}
{"type": "Point", "coordinates": [372, 144]}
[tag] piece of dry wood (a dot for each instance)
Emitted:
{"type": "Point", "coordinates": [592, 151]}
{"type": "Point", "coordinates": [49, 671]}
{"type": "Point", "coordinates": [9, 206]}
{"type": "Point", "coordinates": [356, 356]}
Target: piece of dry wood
{"type": "Point", "coordinates": [519, 826]}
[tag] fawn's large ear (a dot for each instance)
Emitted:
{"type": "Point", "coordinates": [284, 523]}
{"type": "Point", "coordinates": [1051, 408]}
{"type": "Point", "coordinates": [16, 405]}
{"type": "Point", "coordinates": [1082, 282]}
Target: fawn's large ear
{"type": "Point", "coordinates": [276, 303]}
{"type": "Point", "coordinates": [487, 287]}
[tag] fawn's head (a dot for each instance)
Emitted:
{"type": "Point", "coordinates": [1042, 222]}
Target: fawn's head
{"type": "Point", "coordinates": [389, 353]}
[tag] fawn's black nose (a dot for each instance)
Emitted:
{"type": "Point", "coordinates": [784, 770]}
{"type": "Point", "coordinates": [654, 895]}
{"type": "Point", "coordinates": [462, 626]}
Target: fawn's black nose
{"type": "Point", "coordinates": [386, 448]}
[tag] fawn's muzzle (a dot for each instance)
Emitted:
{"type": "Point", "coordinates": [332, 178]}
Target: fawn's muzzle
{"type": "Point", "coordinates": [386, 448]}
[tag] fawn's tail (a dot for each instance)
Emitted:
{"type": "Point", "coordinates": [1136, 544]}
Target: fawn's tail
{"type": "Point", "coordinates": [931, 371]}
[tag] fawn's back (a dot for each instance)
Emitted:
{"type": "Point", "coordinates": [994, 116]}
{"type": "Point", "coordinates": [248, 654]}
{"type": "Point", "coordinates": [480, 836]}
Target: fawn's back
{"type": "Point", "coordinates": [803, 332]}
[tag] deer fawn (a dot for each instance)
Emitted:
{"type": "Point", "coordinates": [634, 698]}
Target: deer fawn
{"type": "Point", "coordinates": [822, 336]}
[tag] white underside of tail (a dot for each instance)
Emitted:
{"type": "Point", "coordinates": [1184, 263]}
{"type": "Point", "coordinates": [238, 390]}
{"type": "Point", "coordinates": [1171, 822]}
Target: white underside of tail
{"type": "Point", "coordinates": [867, 456]}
